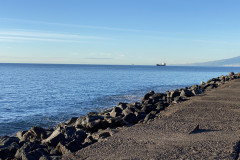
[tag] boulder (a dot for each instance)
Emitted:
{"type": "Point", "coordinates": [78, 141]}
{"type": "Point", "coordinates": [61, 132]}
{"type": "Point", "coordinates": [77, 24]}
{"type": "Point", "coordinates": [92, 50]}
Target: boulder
{"type": "Point", "coordinates": [116, 112]}
{"type": "Point", "coordinates": [148, 117]}
{"type": "Point", "coordinates": [231, 74]}
{"type": "Point", "coordinates": [160, 106]}
{"type": "Point", "coordinates": [174, 94]}
{"type": "Point", "coordinates": [148, 108]}
{"type": "Point", "coordinates": [56, 137]}
{"type": "Point", "coordinates": [34, 134]}
{"type": "Point", "coordinates": [178, 99]}
{"type": "Point", "coordinates": [6, 141]}
{"type": "Point", "coordinates": [122, 105]}
{"type": "Point", "coordinates": [186, 93]}
{"type": "Point", "coordinates": [101, 135]}
{"type": "Point", "coordinates": [69, 132]}
{"type": "Point", "coordinates": [130, 118]}
{"type": "Point", "coordinates": [91, 122]}
{"type": "Point", "coordinates": [8, 147]}
{"type": "Point", "coordinates": [89, 140]}
{"type": "Point", "coordinates": [71, 121]}
{"type": "Point", "coordinates": [146, 96]}
{"type": "Point", "coordinates": [31, 151]}
{"type": "Point", "coordinates": [80, 135]}
{"type": "Point", "coordinates": [114, 122]}
{"type": "Point", "coordinates": [148, 101]}
{"type": "Point", "coordinates": [127, 111]}
{"type": "Point", "coordinates": [140, 115]}
{"type": "Point", "coordinates": [196, 92]}
{"type": "Point", "coordinates": [70, 147]}
{"type": "Point", "coordinates": [78, 123]}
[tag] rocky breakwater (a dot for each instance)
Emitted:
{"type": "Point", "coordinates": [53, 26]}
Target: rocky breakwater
{"type": "Point", "coordinates": [80, 132]}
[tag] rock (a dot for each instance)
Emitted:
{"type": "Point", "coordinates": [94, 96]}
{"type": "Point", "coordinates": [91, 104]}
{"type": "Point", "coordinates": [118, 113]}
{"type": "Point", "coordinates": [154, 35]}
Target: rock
{"type": "Point", "coordinates": [6, 141]}
{"type": "Point", "coordinates": [101, 135]}
{"type": "Point", "coordinates": [130, 118]}
{"type": "Point", "coordinates": [146, 102]}
{"type": "Point", "coordinates": [115, 122]}
{"type": "Point", "coordinates": [148, 108]}
{"type": "Point", "coordinates": [122, 105]}
{"type": "Point", "coordinates": [148, 117]}
{"type": "Point", "coordinates": [116, 112]}
{"type": "Point", "coordinates": [140, 115]}
{"type": "Point", "coordinates": [174, 94]}
{"type": "Point", "coordinates": [71, 121]}
{"type": "Point", "coordinates": [146, 96]}
{"type": "Point", "coordinates": [20, 135]}
{"type": "Point", "coordinates": [196, 92]}
{"type": "Point", "coordinates": [56, 137]}
{"type": "Point", "coordinates": [78, 123]}
{"type": "Point", "coordinates": [8, 147]}
{"type": "Point", "coordinates": [158, 96]}
{"type": "Point", "coordinates": [69, 132]}
{"type": "Point", "coordinates": [178, 99]}
{"type": "Point", "coordinates": [91, 121]}
{"type": "Point", "coordinates": [127, 111]}
{"type": "Point", "coordinates": [160, 106]}
{"type": "Point", "coordinates": [89, 140]}
{"type": "Point", "coordinates": [34, 134]}
{"type": "Point", "coordinates": [70, 147]}
{"type": "Point", "coordinates": [231, 74]}
{"type": "Point", "coordinates": [31, 151]}
{"type": "Point", "coordinates": [186, 93]}
{"type": "Point", "coordinates": [80, 135]}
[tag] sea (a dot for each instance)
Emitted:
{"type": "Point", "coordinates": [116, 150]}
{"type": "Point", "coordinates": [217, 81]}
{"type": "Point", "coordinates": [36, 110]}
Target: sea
{"type": "Point", "coordinates": [47, 94]}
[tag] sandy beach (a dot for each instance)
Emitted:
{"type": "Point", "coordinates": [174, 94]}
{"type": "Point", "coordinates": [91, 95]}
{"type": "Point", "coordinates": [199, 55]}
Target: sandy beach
{"type": "Point", "coordinates": [170, 136]}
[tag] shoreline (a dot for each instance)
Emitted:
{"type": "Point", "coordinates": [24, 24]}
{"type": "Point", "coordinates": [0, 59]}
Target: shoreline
{"type": "Point", "coordinates": [80, 132]}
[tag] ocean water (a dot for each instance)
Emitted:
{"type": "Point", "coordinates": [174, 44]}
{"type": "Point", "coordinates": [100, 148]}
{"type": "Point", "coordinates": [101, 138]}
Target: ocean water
{"type": "Point", "coordinates": [46, 94]}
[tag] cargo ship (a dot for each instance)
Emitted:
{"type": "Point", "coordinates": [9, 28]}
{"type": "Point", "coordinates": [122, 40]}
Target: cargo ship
{"type": "Point", "coordinates": [162, 64]}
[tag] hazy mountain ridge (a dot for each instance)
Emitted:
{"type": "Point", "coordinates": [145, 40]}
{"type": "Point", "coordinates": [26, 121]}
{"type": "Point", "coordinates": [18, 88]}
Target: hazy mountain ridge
{"type": "Point", "coordinates": [235, 61]}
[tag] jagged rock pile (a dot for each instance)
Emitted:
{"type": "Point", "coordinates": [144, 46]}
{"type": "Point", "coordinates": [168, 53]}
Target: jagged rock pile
{"type": "Point", "coordinates": [79, 132]}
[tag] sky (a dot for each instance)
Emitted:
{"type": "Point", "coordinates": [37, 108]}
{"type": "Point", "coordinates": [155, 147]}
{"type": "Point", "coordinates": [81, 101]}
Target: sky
{"type": "Point", "coordinates": [118, 32]}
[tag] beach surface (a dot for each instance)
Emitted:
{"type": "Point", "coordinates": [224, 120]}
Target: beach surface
{"type": "Point", "coordinates": [174, 134]}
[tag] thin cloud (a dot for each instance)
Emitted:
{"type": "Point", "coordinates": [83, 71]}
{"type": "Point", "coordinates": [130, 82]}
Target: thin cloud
{"type": "Point", "coordinates": [48, 35]}
{"type": "Point", "coordinates": [95, 58]}
{"type": "Point", "coordinates": [24, 35]}
{"type": "Point", "coordinates": [11, 39]}
{"type": "Point", "coordinates": [78, 26]}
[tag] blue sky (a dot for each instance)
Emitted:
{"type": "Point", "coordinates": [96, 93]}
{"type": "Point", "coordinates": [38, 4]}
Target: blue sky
{"type": "Point", "coordinates": [143, 32]}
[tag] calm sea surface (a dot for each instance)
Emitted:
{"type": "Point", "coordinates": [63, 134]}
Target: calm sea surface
{"type": "Point", "coordinates": [46, 94]}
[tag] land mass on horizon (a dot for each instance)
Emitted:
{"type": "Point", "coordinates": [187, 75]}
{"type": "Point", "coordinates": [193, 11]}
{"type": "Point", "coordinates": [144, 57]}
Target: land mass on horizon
{"type": "Point", "coordinates": [235, 61]}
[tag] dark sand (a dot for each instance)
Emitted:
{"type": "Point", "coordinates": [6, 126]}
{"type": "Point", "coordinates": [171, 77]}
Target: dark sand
{"type": "Point", "coordinates": [167, 137]}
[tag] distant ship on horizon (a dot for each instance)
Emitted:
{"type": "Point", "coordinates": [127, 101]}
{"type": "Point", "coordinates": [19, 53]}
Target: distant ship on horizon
{"type": "Point", "coordinates": [162, 64]}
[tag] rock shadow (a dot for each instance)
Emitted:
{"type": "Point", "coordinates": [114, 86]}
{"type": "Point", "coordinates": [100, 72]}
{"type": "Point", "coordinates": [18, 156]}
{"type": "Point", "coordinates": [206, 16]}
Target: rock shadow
{"type": "Point", "coordinates": [198, 130]}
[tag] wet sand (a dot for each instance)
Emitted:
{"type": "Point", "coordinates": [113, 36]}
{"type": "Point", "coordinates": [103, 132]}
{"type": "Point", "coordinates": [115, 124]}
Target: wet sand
{"type": "Point", "coordinates": [217, 112]}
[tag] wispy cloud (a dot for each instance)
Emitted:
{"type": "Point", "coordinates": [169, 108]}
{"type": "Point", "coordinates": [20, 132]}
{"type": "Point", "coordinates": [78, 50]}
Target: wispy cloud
{"type": "Point", "coordinates": [24, 35]}
{"type": "Point", "coordinates": [81, 26]}
{"type": "Point", "coordinates": [70, 25]}
{"type": "Point", "coordinates": [96, 58]}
